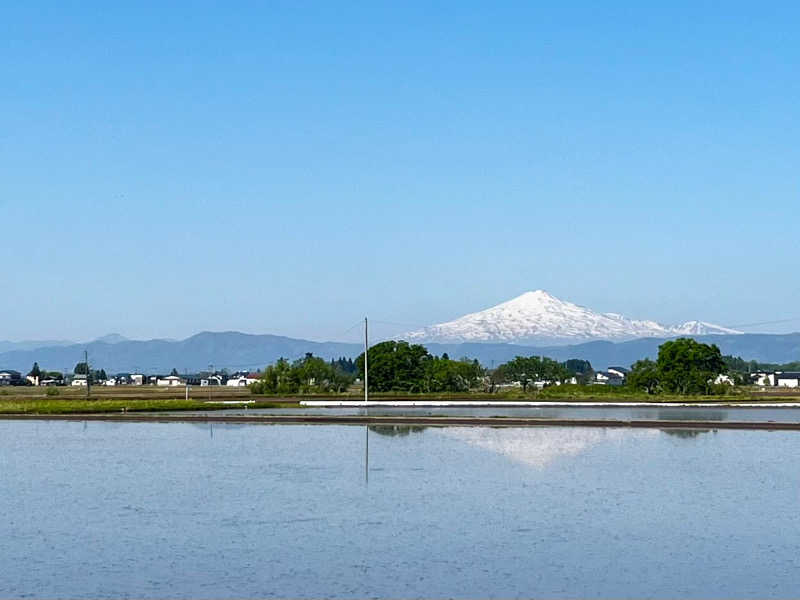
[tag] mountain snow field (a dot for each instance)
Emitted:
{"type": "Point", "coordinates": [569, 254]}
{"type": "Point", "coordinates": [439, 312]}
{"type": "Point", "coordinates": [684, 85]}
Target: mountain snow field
{"type": "Point", "coordinates": [540, 317]}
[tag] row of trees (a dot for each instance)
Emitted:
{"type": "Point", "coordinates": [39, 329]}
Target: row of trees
{"type": "Point", "coordinates": [402, 367]}
{"type": "Point", "coordinates": [683, 366]}
{"type": "Point", "coordinates": [307, 375]}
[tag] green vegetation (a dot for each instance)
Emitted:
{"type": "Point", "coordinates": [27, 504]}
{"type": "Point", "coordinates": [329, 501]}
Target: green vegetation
{"type": "Point", "coordinates": [626, 393]}
{"type": "Point", "coordinates": [309, 375]}
{"type": "Point", "coordinates": [533, 368]}
{"type": "Point", "coordinates": [403, 367]}
{"type": "Point", "coordinates": [48, 406]}
{"type": "Point", "coordinates": [737, 365]}
{"type": "Point", "coordinates": [684, 367]}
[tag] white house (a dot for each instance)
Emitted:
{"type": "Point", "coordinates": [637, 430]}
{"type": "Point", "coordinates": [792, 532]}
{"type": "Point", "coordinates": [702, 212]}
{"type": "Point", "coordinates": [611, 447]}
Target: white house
{"type": "Point", "coordinates": [79, 381]}
{"type": "Point", "coordinates": [8, 377]}
{"type": "Point", "coordinates": [242, 380]}
{"type": "Point", "coordinates": [619, 371]}
{"type": "Point", "coordinates": [170, 381]}
{"type": "Point", "coordinates": [788, 379]}
{"type": "Point", "coordinates": [137, 379]}
{"type": "Point", "coordinates": [212, 380]}
{"type": "Point", "coordinates": [608, 378]}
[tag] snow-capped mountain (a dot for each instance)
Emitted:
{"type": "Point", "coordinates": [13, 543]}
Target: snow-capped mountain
{"type": "Point", "coordinates": [539, 317]}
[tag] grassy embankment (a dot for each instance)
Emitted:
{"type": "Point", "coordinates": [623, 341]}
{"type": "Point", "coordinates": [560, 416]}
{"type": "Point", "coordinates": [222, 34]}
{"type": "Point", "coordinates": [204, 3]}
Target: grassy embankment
{"type": "Point", "coordinates": [32, 400]}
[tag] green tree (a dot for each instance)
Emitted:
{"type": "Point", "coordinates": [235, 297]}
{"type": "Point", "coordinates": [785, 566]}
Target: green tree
{"type": "Point", "coordinates": [644, 376]}
{"type": "Point", "coordinates": [578, 366]}
{"type": "Point", "coordinates": [35, 370]}
{"type": "Point", "coordinates": [81, 369]}
{"type": "Point", "coordinates": [686, 366]}
{"type": "Point", "coordinates": [395, 366]}
{"type": "Point", "coordinates": [580, 369]}
{"type": "Point", "coordinates": [446, 375]}
{"type": "Point", "coordinates": [526, 369]}
{"type": "Point", "coordinates": [276, 379]}
{"type": "Point", "coordinates": [174, 372]}
{"type": "Point", "coordinates": [307, 375]}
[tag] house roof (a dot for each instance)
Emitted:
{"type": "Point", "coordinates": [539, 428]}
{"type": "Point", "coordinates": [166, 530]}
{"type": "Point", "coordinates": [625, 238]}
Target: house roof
{"type": "Point", "coordinates": [620, 369]}
{"type": "Point", "coordinates": [788, 375]}
{"type": "Point", "coordinates": [11, 372]}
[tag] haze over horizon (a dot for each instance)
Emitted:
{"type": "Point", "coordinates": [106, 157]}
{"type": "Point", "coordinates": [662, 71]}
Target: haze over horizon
{"type": "Point", "coordinates": [286, 170]}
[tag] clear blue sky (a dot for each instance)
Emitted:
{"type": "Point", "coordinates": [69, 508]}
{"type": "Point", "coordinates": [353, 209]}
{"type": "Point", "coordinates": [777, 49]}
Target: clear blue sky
{"type": "Point", "coordinates": [289, 167]}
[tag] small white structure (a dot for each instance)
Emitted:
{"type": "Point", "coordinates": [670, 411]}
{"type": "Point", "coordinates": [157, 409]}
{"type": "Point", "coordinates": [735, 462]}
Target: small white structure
{"type": "Point", "coordinates": [79, 381]}
{"type": "Point", "coordinates": [169, 381]}
{"type": "Point", "coordinates": [111, 381]}
{"type": "Point", "coordinates": [765, 379]}
{"type": "Point", "coordinates": [137, 379]}
{"type": "Point", "coordinates": [723, 379]}
{"type": "Point", "coordinates": [209, 381]}
{"type": "Point", "coordinates": [619, 371]}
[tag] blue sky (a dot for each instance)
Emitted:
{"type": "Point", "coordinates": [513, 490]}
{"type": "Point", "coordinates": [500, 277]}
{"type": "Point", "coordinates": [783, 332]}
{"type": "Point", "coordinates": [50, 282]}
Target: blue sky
{"type": "Point", "coordinates": [290, 167]}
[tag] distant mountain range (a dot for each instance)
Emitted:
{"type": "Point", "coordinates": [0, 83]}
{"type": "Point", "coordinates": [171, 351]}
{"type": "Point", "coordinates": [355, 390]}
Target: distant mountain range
{"type": "Point", "coordinates": [535, 323]}
{"type": "Point", "coordinates": [6, 346]}
{"type": "Point", "coordinates": [231, 350]}
{"type": "Point", "coordinates": [540, 318]}
{"type": "Point", "coordinates": [240, 351]}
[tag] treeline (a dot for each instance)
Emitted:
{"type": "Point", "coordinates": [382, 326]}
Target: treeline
{"type": "Point", "coordinates": [397, 366]}
{"type": "Point", "coordinates": [308, 375]}
{"type": "Point", "coordinates": [527, 370]}
{"type": "Point", "coordinates": [684, 366]}
{"type": "Point", "coordinates": [736, 364]}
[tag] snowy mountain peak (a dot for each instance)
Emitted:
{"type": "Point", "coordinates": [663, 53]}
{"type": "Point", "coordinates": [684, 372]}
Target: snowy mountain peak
{"type": "Point", "coordinates": [537, 317]}
{"type": "Point", "coordinates": [702, 328]}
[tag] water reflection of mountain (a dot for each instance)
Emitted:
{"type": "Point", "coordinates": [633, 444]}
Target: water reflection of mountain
{"type": "Point", "coordinates": [539, 447]}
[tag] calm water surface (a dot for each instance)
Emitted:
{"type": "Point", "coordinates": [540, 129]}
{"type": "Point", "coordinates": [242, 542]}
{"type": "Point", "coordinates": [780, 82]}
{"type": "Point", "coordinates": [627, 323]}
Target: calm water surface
{"type": "Point", "coordinates": [663, 413]}
{"type": "Point", "coordinates": [186, 510]}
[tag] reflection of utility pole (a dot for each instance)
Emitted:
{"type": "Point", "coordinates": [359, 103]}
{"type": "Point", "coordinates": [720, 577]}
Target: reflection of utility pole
{"type": "Point", "coordinates": [88, 383]}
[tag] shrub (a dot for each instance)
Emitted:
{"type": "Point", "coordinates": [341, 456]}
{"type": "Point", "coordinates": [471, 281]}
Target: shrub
{"type": "Point", "coordinates": [52, 391]}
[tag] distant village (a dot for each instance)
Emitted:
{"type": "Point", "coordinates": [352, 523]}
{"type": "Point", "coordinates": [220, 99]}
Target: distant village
{"type": "Point", "coordinates": [612, 376]}
{"type": "Point", "coordinates": [50, 378]}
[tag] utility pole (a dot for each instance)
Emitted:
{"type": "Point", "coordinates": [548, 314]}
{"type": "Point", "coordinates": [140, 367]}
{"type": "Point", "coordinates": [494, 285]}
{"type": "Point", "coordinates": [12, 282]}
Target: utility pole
{"type": "Point", "coordinates": [88, 374]}
{"type": "Point", "coordinates": [366, 351]}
